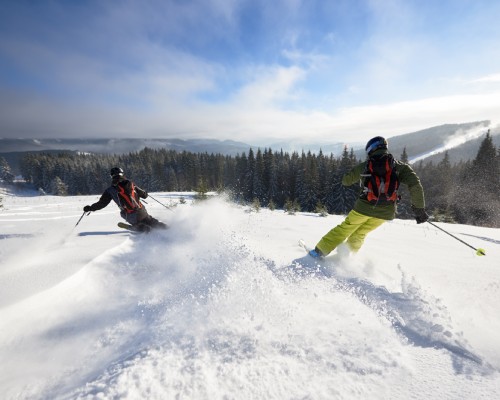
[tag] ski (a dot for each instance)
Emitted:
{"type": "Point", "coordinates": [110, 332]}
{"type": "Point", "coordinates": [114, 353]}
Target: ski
{"type": "Point", "coordinates": [303, 244]}
{"type": "Point", "coordinates": [311, 266]}
{"type": "Point", "coordinates": [144, 228]}
{"type": "Point", "coordinates": [308, 250]}
{"type": "Point", "coordinates": [128, 227]}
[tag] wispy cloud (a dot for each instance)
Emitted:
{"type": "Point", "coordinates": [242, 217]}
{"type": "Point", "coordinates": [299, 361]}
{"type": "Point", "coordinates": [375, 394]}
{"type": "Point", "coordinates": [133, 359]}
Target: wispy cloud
{"type": "Point", "coordinates": [493, 78]}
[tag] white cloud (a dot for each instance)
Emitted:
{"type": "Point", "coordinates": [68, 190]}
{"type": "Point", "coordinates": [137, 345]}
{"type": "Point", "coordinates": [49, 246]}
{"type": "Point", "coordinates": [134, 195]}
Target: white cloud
{"type": "Point", "coordinates": [269, 86]}
{"type": "Point", "coordinates": [249, 119]}
{"type": "Point", "coordinates": [493, 78]}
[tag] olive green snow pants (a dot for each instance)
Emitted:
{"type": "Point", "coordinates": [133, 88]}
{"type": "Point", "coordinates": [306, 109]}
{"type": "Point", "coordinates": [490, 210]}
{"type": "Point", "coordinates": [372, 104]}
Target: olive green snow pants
{"type": "Point", "coordinates": [354, 228]}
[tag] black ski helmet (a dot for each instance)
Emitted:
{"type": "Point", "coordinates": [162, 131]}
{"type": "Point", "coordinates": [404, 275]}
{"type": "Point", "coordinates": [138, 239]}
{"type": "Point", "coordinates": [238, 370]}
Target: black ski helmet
{"type": "Point", "coordinates": [378, 142]}
{"type": "Point", "coordinates": [116, 171]}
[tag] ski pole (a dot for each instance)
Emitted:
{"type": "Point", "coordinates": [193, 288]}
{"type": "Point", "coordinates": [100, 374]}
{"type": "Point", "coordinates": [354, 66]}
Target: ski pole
{"type": "Point", "coordinates": [170, 208]}
{"type": "Point", "coordinates": [479, 252]}
{"type": "Point", "coordinates": [81, 218]}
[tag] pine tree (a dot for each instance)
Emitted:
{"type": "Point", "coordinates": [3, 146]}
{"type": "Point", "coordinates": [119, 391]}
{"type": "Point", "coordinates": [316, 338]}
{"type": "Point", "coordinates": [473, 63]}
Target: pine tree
{"type": "Point", "coordinates": [201, 190]}
{"type": "Point", "coordinates": [270, 177]}
{"type": "Point", "coordinates": [307, 182]}
{"type": "Point", "coordinates": [485, 164]}
{"type": "Point", "coordinates": [292, 176]}
{"type": "Point", "coordinates": [58, 187]}
{"type": "Point", "coordinates": [237, 187]}
{"type": "Point", "coordinates": [283, 191]}
{"type": "Point", "coordinates": [170, 179]}
{"type": "Point", "coordinates": [342, 198]}
{"type": "Point", "coordinates": [322, 176]}
{"type": "Point", "coordinates": [443, 184]}
{"type": "Point", "coordinates": [404, 156]}
{"type": "Point", "coordinates": [255, 205]}
{"type": "Point", "coordinates": [6, 174]}
{"type": "Point", "coordinates": [259, 191]}
{"type": "Point", "coordinates": [271, 205]}
{"type": "Point", "coordinates": [321, 209]}
{"type": "Point", "coordinates": [248, 189]}
{"type": "Point", "coordinates": [331, 182]}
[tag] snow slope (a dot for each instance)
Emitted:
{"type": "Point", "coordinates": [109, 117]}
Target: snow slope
{"type": "Point", "coordinates": [226, 305]}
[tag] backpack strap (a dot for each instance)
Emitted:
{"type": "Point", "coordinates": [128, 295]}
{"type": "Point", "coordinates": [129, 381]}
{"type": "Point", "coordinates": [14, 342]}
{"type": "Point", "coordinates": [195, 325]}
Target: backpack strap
{"type": "Point", "coordinates": [381, 181]}
{"type": "Point", "coordinates": [392, 178]}
{"type": "Point", "coordinates": [129, 202]}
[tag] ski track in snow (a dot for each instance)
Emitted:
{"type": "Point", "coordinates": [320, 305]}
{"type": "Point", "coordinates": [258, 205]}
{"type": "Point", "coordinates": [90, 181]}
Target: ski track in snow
{"type": "Point", "coordinates": [424, 323]}
{"type": "Point", "coordinates": [225, 305]}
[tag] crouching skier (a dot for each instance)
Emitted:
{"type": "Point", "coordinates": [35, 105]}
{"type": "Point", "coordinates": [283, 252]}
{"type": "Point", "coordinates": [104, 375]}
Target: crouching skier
{"type": "Point", "coordinates": [128, 198]}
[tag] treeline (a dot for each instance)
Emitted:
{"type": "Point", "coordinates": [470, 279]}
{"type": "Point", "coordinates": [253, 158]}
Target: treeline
{"type": "Point", "coordinates": [468, 192]}
{"type": "Point", "coordinates": [273, 178]}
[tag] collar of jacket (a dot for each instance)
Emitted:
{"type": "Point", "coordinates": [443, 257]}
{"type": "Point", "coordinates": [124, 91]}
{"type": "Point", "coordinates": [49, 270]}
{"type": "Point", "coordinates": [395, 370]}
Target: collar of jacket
{"type": "Point", "coordinates": [116, 181]}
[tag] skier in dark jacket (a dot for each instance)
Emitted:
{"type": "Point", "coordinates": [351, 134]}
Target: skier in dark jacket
{"type": "Point", "coordinates": [127, 197]}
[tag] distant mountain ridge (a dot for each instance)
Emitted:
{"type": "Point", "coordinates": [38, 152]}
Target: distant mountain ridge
{"type": "Point", "coordinates": [13, 150]}
{"type": "Point", "coordinates": [122, 146]}
{"type": "Point", "coordinates": [462, 142]}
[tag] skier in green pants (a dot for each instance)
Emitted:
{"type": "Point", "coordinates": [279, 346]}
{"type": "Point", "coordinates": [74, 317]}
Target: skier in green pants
{"type": "Point", "coordinates": [380, 176]}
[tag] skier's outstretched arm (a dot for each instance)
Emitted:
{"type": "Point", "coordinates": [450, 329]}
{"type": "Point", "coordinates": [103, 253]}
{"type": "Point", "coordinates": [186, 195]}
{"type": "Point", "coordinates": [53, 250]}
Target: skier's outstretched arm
{"type": "Point", "coordinates": [353, 175]}
{"type": "Point", "coordinates": [101, 203]}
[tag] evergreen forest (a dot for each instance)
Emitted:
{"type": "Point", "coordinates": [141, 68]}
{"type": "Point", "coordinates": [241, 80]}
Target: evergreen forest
{"type": "Point", "coordinates": [467, 192]}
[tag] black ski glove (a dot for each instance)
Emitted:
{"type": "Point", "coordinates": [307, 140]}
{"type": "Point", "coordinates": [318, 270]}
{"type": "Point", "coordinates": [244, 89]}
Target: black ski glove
{"type": "Point", "coordinates": [87, 209]}
{"type": "Point", "coordinates": [420, 215]}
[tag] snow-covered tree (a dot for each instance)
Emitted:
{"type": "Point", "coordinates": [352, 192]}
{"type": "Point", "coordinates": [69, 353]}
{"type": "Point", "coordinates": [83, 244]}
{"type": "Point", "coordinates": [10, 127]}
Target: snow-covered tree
{"type": "Point", "coordinates": [6, 174]}
{"type": "Point", "coordinates": [58, 187]}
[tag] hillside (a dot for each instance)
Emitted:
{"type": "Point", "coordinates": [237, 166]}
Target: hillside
{"type": "Point", "coordinates": [462, 142]}
{"type": "Point", "coordinates": [226, 305]}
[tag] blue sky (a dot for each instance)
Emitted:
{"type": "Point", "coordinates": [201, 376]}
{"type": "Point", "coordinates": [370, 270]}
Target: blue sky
{"type": "Point", "coordinates": [249, 70]}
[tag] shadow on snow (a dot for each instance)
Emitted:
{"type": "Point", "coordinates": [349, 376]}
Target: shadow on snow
{"type": "Point", "coordinates": [101, 233]}
{"type": "Point", "coordinates": [16, 235]}
{"type": "Point", "coordinates": [482, 238]}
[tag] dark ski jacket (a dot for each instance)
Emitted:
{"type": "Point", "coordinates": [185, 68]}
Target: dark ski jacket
{"type": "Point", "coordinates": [127, 197]}
{"type": "Point", "coordinates": [406, 176]}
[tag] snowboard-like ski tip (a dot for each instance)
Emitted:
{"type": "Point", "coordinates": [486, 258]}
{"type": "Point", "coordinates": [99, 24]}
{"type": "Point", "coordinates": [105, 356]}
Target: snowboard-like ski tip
{"type": "Point", "coordinates": [310, 252]}
{"type": "Point", "coordinates": [141, 229]}
{"type": "Point", "coordinates": [303, 244]}
{"type": "Point", "coordinates": [128, 227]}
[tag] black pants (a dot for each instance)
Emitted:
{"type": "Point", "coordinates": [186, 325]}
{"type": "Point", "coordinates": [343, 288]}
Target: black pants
{"type": "Point", "coordinates": [149, 223]}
